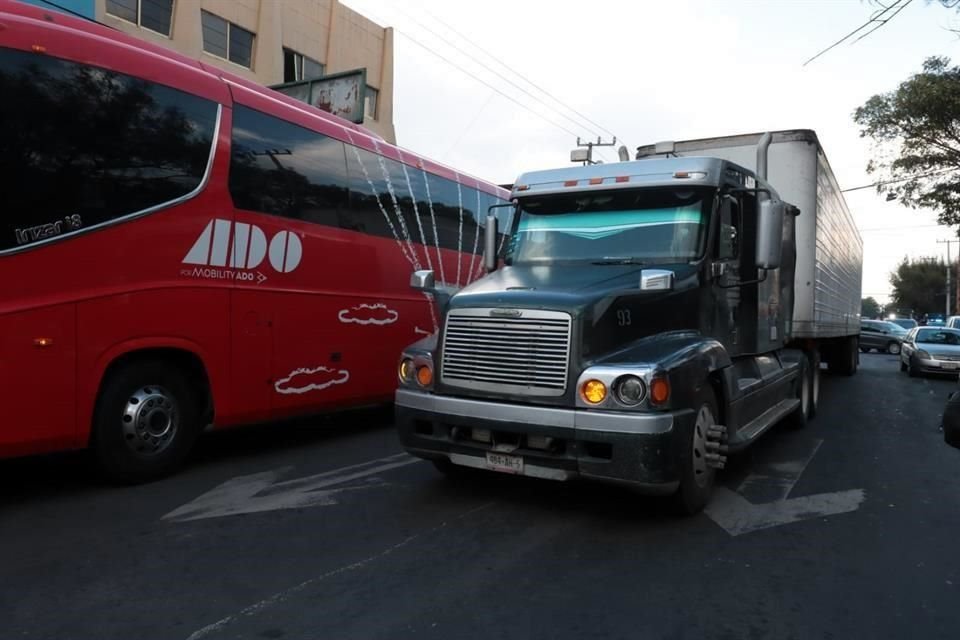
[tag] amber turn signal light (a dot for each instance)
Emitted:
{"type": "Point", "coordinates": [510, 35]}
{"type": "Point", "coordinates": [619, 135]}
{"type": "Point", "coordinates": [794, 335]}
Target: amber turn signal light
{"type": "Point", "coordinates": [424, 376]}
{"type": "Point", "coordinates": [593, 391]}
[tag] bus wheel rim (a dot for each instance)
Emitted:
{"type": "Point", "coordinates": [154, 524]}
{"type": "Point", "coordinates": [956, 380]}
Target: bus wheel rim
{"type": "Point", "coordinates": [150, 420]}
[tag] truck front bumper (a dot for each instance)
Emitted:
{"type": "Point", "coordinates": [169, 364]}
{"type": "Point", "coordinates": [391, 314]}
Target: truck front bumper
{"type": "Point", "coordinates": [638, 449]}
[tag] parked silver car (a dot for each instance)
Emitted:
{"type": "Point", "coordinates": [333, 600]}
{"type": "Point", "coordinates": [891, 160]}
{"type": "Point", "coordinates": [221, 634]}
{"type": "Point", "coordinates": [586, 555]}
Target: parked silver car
{"type": "Point", "coordinates": [881, 335]}
{"type": "Point", "coordinates": [931, 350]}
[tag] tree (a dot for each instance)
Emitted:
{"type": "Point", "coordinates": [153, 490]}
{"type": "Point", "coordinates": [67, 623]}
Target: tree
{"type": "Point", "coordinates": [916, 131]}
{"type": "Point", "coordinates": [869, 308]}
{"type": "Point", "coordinates": [919, 286]}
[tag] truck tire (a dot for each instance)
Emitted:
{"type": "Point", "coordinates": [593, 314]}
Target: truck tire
{"type": "Point", "coordinates": [814, 359]}
{"type": "Point", "coordinates": [696, 476]}
{"type": "Point", "coordinates": [803, 391]}
{"type": "Point", "coordinates": [146, 421]}
{"type": "Point", "coordinates": [844, 358]}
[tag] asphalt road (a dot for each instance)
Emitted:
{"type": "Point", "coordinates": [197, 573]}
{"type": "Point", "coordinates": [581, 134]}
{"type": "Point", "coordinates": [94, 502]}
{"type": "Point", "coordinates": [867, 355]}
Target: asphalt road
{"type": "Point", "coordinates": [329, 534]}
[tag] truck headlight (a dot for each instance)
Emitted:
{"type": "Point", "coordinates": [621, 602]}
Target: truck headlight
{"type": "Point", "coordinates": [593, 391]}
{"type": "Point", "coordinates": [406, 370]}
{"type": "Point", "coordinates": [630, 390]}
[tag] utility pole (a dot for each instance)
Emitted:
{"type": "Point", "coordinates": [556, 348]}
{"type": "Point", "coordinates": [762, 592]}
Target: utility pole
{"type": "Point", "coordinates": [586, 157]}
{"type": "Point", "coordinates": [947, 297]}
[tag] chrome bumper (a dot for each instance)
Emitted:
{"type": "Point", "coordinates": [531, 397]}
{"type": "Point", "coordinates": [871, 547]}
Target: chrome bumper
{"type": "Point", "coordinates": [639, 449]}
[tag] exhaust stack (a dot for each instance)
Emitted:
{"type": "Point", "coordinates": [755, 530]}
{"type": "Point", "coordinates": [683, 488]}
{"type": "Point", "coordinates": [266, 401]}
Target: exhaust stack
{"type": "Point", "coordinates": [762, 147]}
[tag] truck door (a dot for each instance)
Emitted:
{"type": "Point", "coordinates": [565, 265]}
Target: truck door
{"type": "Point", "coordinates": [726, 321]}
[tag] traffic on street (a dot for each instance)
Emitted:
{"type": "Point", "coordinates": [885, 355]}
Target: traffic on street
{"type": "Point", "coordinates": [326, 529]}
{"type": "Point", "coordinates": [269, 372]}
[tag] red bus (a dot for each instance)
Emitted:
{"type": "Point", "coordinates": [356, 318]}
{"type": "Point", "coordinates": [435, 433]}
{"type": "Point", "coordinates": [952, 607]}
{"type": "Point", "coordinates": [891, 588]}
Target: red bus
{"type": "Point", "coordinates": [180, 247]}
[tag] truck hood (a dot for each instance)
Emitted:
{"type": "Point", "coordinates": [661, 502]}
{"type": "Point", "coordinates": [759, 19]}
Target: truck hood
{"type": "Point", "coordinates": [573, 288]}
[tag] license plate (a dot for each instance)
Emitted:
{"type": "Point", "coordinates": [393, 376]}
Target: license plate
{"type": "Point", "coordinates": [950, 365]}
{"type": "Point", "coordinates": [504, 463]}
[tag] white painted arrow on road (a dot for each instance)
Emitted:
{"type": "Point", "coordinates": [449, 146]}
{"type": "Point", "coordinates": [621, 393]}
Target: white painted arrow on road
{"type": "Point", "coordinates": [737, 515]}
{"type": "Point", "coordinates": [263, 492]}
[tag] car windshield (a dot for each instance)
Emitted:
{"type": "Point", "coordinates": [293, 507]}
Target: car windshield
{"type": "Point", "coordinates": [938, 336]}
{"type": "Point", "coordinates": [646, 226]}
{"type": "Point", "coordinates": [893, 328]}
{"type": "Point", "coordinates": [906, 323]}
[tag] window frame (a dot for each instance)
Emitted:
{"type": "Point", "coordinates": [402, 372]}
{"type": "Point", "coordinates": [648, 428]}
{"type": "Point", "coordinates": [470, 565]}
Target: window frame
{"type": "Point", "coordinates": [299, 63]}
{"type": "Point", "coordinates": [230, 27]}
{"type": "Point", "coordinates": [204, 180]}
{"type": "Point", "coordinates": [139, 22]}
{"type": "Point", "coordinates": [376, 102]}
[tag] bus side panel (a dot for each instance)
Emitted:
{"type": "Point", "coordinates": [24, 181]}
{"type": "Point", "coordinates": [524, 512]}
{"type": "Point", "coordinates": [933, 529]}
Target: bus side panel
{"type": "Point", "coordinates": [193, 319]}
{"type": "Point", "coordinates": [37, 379]}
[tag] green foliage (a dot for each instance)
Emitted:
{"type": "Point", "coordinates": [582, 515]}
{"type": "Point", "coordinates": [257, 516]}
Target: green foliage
{"type": "Point", "coordinates": [869, 308]}
{"type": "Point", "coordinates": [919, 285]}
{"type": "Point", "coordinates": [916, 129]}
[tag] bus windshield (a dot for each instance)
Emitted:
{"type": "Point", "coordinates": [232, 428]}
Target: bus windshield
{"type": "Point", "coordinates": [656, 225]}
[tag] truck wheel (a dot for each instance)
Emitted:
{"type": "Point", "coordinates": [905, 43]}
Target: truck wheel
{"type": "Point", "coordinates": [865, 349]}
{"type": "Point", "coordinates": [844, 358]}
{"type": "Point", "coordinates": [803, 391]}
{"type": "Point", "coordinates": [814, 360]}
{"type": "Point", "coordinates": [696, 476]}
{"type": "Point", "coordinates": [146, 421]}
{"type": "Point", "coordinates": [893, 348]}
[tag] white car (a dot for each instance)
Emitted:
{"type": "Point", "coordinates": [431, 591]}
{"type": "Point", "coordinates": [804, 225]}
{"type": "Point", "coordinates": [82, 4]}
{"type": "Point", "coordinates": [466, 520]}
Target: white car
{"type": "Point", "coordinates": [931, 350]}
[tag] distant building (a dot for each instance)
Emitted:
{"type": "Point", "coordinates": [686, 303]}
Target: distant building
{"type": "Point", "coordinates": [268, 41]}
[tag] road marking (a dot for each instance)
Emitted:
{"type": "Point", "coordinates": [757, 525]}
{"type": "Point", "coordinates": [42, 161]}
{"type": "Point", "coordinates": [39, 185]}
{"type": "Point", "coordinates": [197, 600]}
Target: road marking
{"type": "Point", "coordinates": [263, 492]}
{"type": "Point", "coordinates": [284, 595]}
{"type": "Point", "coordinates": [773, 482]}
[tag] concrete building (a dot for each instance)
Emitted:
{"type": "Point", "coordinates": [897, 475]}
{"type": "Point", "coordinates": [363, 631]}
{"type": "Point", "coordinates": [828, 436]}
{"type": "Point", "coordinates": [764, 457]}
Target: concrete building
{"type": "Point", "coordinates": [268, 41]}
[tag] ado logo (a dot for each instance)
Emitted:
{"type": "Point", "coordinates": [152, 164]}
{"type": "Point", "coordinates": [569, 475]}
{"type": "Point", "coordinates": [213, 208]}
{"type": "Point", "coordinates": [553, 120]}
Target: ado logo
{"type": "Point", "coordinates": [243, 246]}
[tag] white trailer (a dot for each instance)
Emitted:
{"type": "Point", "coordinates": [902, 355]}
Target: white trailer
{"type": "Point", "coordinates": [829, 248]}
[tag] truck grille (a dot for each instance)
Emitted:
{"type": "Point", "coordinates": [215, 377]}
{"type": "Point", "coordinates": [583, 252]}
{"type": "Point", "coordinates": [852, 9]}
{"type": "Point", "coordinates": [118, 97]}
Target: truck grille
{"type": "Point", "coordinates": [489, 350]}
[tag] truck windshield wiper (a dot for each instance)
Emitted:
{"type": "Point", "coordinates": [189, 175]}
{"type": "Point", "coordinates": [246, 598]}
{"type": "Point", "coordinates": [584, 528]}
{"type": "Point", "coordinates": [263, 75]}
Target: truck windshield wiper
{"type": "Point", "coordinates": [618, 261]}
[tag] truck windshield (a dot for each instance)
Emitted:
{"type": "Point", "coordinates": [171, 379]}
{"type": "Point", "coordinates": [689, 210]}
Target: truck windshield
{"type": "Point", "coordinates": [645, 226]}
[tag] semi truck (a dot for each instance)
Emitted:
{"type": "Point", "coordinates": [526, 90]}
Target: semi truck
{"type": "Point", "coordinates": [643, 320]}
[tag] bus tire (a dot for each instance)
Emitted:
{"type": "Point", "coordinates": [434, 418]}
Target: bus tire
{"type": "Point", "coordinates": [147, 420]}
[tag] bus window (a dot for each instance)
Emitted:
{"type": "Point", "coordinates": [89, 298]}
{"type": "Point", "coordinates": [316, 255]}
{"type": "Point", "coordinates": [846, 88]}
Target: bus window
{"type": "Point", "coordinates": [83, 146]}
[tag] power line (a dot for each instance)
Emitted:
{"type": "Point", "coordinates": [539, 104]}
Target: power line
{"type": "Point", "coordinates": [469, 55]}
{"type": "Point", "coordinates": [899, 5]}
{"type": "Point", "coordinates": [484, 82]}
{"type": "Point", "coordinates": [881, 183]}
{"type": "Point", "coordinates": [518, 74]}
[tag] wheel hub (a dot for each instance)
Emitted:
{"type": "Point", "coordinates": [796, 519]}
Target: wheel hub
{"type": "Point", "coordinates": [150, 420]}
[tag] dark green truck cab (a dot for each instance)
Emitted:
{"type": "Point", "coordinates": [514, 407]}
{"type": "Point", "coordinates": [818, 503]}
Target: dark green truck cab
{"type": "Point", "coordinates": [635, 331]}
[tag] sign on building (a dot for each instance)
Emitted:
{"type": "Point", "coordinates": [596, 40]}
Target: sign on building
{"type": "Point", "coordinates": [341, 94]}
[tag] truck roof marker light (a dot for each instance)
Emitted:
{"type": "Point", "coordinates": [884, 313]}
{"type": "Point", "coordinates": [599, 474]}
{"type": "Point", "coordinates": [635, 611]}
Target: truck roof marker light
{"type": "Point", "coordinates": [570, 183]}
{"type": "Point", "coordinates": [522, 187]}
{"type": "Point", "coordinates": [659, 390]}
{"type": "Point", "coordinates": [687, 175]}
{"type": "Point", "coordinates": [596, 180]}
{"type": "Point", "coordinates": [622, 179]}
{"type": "Point", "coordinates": [38, 48]}
{"type": "Point", "coordinates": [593, 391]}
{"type": "Point", "coordinates": [42, 342]}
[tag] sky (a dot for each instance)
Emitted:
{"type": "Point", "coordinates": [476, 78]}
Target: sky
{"type": "Point", "coordinates": [651, 70]}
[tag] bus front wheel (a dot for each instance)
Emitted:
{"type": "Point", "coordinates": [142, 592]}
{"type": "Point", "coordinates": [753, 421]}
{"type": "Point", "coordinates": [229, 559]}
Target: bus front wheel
{"type": "Point", "coordinates": [146, 421]}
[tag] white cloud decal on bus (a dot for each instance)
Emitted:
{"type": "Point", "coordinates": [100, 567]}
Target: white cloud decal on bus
{"type": "Point", "coordinates": [315, 379]}
{"type": "Point", "coordinates": [378, 314]}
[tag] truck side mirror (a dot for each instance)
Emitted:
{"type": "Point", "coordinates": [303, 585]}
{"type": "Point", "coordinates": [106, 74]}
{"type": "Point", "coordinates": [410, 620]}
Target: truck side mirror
{"type": "Point", "coordinates": [490, 243]}
{"type": "Point", "coordinates": [769, 234]}
{"type": "Point", "coordinates": [423, 281]}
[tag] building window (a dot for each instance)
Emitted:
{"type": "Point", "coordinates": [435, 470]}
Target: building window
{"type": "Point", "coordinates": [154, 15]}
{"type": "Point", "coordinates": [297, 67]}
{"type": "Point", "coordinates": [226, 40]}
{"type": "Point", "coordinates": [370, 100]}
